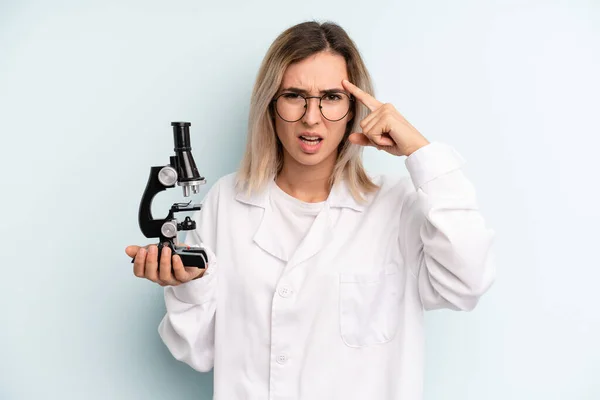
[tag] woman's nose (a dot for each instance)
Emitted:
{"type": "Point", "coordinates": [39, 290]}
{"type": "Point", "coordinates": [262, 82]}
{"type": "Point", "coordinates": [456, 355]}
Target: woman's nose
{"type": "Point", "coordinates": [313, 111]}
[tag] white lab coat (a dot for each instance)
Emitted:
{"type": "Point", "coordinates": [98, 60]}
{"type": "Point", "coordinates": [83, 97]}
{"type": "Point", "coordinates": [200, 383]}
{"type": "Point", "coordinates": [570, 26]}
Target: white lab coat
{"type": "Point", "coordinates": [343, 318]}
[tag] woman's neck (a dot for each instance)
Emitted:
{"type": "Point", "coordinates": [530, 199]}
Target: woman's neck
{"type": "Point", "coordinates": [308, 183]}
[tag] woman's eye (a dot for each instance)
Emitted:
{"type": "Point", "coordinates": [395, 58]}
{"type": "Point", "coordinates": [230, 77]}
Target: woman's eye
{"type": "Point", "coordinates": [333, 97]}
{"type": "Point", "coordinates": [290, 95]}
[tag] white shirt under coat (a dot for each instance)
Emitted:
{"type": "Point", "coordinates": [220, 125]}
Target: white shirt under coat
{"type": "Point", "coordinates": [341, 316]}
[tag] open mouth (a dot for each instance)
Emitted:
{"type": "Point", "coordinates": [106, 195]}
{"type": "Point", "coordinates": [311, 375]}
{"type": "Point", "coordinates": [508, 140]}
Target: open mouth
{"type": "Point", "coordinates": [311, 140]}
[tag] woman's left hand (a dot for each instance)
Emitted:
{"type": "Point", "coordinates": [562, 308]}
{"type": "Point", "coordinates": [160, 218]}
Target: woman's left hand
{"type": "Point", "coordinates": [384, 128]}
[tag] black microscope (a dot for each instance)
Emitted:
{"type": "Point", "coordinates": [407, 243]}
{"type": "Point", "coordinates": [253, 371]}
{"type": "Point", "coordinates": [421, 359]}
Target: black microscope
{"type": "Point", "coordinates": [180, 171]}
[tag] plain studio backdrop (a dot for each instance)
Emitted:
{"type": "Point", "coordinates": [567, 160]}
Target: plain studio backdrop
{"type": "Point", "coordinates": [88, 91]}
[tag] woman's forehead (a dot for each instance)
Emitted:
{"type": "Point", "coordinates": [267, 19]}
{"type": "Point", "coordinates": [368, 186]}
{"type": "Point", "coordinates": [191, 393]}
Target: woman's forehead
{"type": "Point", "coordinates": [322, 71]}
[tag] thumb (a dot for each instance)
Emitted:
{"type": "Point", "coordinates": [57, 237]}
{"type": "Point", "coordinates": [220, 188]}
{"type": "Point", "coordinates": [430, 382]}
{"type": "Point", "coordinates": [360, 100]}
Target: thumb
{"type": "Point", "coordinates": [360, 139]}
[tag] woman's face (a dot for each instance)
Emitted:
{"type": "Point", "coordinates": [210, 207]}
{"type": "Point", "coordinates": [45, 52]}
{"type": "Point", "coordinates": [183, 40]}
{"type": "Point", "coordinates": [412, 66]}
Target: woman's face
{"type": "Point", "coordinates": [313, 140]}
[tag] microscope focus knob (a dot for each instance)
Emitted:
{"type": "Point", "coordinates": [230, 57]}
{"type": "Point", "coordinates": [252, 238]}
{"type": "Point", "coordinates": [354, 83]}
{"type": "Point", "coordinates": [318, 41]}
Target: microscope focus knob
{"type": "Point", "coordinates": [169, 229]}
{"type": "Point", "coordinates": [167, 176]}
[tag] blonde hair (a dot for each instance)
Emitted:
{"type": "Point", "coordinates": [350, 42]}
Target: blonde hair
{"type": "Point", "coordinates": [263, 158]}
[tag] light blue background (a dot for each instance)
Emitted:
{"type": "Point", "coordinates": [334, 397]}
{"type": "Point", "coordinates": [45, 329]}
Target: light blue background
{"type": "Point", "coordinates": [87, 94]}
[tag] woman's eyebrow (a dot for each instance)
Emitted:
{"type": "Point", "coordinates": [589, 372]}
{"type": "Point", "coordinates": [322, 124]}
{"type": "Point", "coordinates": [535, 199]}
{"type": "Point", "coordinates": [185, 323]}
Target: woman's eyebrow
{"type": "Point", "coordinates": [303, 91]}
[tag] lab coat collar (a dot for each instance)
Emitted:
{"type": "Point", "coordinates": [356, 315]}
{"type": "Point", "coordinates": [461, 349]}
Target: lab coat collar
{"type": "Point", "coordinates": [340, 197]}
{"type": "Point", "coordinates": [319, 234]}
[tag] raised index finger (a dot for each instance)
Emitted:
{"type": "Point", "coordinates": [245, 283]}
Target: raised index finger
{"type": "Point", "coordinates": [371, 102]}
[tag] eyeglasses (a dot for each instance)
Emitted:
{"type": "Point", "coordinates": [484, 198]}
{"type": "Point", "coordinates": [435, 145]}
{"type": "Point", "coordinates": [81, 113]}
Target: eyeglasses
{"type": "Point", "coordinates": [291, 107]}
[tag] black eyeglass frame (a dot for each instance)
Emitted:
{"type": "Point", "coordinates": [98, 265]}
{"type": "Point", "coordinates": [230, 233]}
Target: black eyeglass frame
{"type": "Point", "coordinates": [350, 97]}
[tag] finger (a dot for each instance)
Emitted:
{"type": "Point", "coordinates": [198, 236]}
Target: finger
{"type": "Point", "coordinates": [378, 132]}
{"type": "Point", "coordinates": [371, 102]}
{"type": "Point", "coordinates": [370, 118]}
{"type": "Point", "coordinates": [369, 130]}
{"type": "Point", "coordinates": [368, 123]}
{"type": "Point", "coordinates": [131, 251]}
{"type": "Point", "coordinates": [182, 273]}
{"type": "Point", "coordinates": [179, 270]}
{"type": "Point", "coordinates": [139, 262]}
{"type": "Point", "coordinates": [152, 264]}
{"type": "Point", "coordinates": [165, 273]}
{"type": "Point", "coordinates": [360, 139]}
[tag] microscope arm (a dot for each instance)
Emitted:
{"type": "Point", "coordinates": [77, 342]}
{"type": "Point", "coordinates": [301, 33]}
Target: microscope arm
{"type": "Point", "coordinates": [166, 229]}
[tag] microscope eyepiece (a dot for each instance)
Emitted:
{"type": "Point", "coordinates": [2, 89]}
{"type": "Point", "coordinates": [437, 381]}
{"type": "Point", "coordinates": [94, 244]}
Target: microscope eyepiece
{"type": "Point", "coordinates": [176, 123]}
{"type": "Point", "coordinates": [183, 161]}
{"type": "Point", "coordinates": [181, 136]}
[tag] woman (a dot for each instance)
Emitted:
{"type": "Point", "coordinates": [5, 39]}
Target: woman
{"type": "Point", "coordinates": [319, 274]}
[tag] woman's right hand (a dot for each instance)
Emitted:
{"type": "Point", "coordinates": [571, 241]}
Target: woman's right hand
{"type": "Point", "coordinates": [172, 272]}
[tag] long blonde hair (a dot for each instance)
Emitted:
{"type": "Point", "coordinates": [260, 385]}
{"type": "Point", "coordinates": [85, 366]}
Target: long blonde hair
{"type": "Point", "coordinates": [263, 158]}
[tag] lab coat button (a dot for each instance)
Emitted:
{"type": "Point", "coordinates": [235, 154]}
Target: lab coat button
{"type": "Point", "coordinates": [285, 291]}
{"type": "Point", "coordinates": [282, 359]}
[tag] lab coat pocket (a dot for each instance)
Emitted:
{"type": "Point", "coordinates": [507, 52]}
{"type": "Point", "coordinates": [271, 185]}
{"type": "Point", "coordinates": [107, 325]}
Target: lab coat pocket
{"type": "Point", "coordinates": [370, 305]}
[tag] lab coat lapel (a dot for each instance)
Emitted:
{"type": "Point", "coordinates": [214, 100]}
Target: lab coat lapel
{"type": "Point", "coordinates": [318, 236]}
{"type": "Point", "coordinates": [269, 238]}
{"type": "Point", "coordinates": [265, 235]}
{"type": "Point", "coordinates": [320, 233]}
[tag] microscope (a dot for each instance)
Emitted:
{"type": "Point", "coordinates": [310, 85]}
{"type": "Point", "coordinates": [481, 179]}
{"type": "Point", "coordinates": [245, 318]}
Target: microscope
{"type": "Point", "coordinates": [180, 171]}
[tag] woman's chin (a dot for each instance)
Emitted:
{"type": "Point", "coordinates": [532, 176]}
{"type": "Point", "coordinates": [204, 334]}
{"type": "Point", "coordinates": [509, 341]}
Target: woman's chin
{"type": "Point", "coordinates": [311, 159]}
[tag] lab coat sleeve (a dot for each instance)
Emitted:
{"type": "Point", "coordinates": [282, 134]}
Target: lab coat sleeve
{"type": "Point", "coordinates": [443, 236]}
{"type": "Point", "coordinates": [188, 327]}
